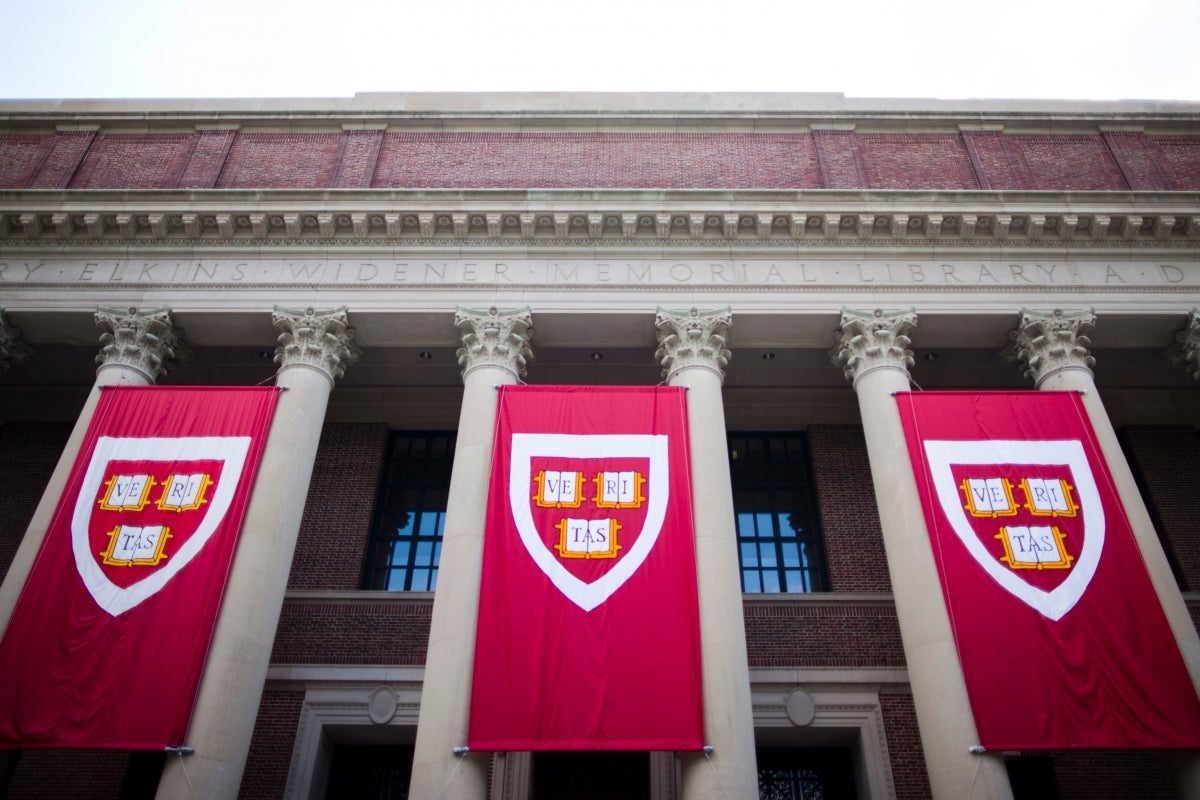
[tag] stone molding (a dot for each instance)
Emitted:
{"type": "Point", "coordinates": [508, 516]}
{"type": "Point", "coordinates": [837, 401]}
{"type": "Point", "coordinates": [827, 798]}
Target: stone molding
{"type": "Point", "coordinates": [494, 338]}
{"type": "Point", "coordinates": [320, 340]}
{"type": "Point", "coordinates": [693, 339]}
{"type": "Point", "coordinates": [853, 221]}
{"type": "Point", "coordinates": [145, 341]}
{"type": "Point", "coordinates": [873, 340]}
{"type": "Point", "coordinates": [1187, 347]}
{"type": "Point", "coordinates": [12, 349]}
{"type": "Point", "coordinates": [1046, 344]}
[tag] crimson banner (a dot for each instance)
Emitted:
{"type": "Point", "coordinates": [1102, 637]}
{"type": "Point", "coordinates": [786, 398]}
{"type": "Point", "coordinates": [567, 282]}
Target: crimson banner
{"type": "Point", "coordinates": [589, 634]}
{"type": "Point", "coordinates": [1063, 641]}
{"type": "Point", "coordinates": [107, 642]}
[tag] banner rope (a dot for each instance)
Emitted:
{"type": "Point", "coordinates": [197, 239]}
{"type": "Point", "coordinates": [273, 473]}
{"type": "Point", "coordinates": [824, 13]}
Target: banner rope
{"type": "Point", "coordinates": [713, 767]}
{"type": "Point", "coordinates": [462, 756]}
{"type": "Point", "coordinates": [186, 777]}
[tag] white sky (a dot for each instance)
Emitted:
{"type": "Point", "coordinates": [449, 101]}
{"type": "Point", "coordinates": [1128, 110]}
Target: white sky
{"type": "Point", "coordinates": [1098, 50]}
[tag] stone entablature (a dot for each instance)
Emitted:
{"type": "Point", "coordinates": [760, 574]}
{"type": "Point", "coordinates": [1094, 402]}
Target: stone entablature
{"type": "Point", "coordinates": [964, 219]}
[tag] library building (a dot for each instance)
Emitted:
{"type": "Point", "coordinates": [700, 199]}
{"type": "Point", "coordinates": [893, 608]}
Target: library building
{"type": "Point", "coordinates": [599, 447]}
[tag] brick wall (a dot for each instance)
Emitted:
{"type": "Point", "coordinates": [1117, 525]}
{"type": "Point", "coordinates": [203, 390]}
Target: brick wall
{"type": "Point", "coordinates": [134, 161]}
{"type": "Point", "coordinates": [281, 161]}
{"type": "Point", "coordinates": [1168, 461]}
{"type": "Point", "coordinates": [21, 154]}
{"type": "Point", "coordinates": [819, 635]}
{"type": "Point", "coordinates": [337, 516]}
{"type": "Point", "coordinates": [849, 519]}
{"type": "Point", "coordinates": [28, 453]}
{"type": "Point", "coordinates": [68, 775]}
{"type": "Point", "coordinates": [823, 159]}
{"type": "Point", "coordinates": [1113, 775]}
{"type": "Point", "coordinates": [270, 753]}
{"type": "Point", "coordinates": [390, 631]}
{"type": "Point", "coordinates": [917, 161]}
{"type": "Point", "coordinates": [904, 747]}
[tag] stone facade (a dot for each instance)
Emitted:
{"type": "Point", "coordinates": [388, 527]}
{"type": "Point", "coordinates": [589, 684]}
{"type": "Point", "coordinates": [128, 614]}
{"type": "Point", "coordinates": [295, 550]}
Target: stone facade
{"type": "Point", "coordinates": [399, 247]}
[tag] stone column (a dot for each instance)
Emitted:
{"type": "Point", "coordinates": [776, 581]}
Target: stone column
{"type": "Point", "coordinates": [691, 349]}
{"type": "Point", "coordinates": [136, 347]}
{"type": "Point", "coordinates": [873, 352]}
{"type": "Point", "coordinates": [314, 349]}
{"type": "Point", "coordinates": [1053, 348]}
{"type": "Point", "coordinates": [495, 349]}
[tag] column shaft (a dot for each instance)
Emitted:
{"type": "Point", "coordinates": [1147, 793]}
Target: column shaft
{"type": "Point", "coordinates": [226, 706]}
{"type": "Point", "coordinates": [873, 348]}
{"type": "Point", "coordinates": [1054, 349]}
{"type": "Point", "coordinates": [693, 354]}
{"type": "Point", "coordinates": [728, 715]}
{"type": "Point", "coordinates": [495, 347]}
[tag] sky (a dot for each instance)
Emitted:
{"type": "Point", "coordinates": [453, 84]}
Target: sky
{"type": "Point", "coordinates": [1097, 50]}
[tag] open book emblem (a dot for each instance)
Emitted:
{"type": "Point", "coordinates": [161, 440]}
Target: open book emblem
{"type": "Point", "coordinates": [588, 509]}
{"type": "Point", "coordinates": [1028, 511]}
{"type": "Point", "coordinates": [147, 507]}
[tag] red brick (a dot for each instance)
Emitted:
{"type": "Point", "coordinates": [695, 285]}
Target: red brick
{"type": "Point", "coordinates": [67, 151]}
{"type": "Point", "coordinates": [134, 161]}
{"type": "Point", "coordinates": [209, 151]}
{"type": "Point", "coordinates": [904, 746]}
{"type": "Point", "coordinates": [281, 161]}
{"type": "Point", "coordinates": [270, 753]}
{"type": "Point", "coordinates": [21, 154]}
{"type": "Point", "coordinates": [337, 516]}
{"type": "Point", "coordinates": [28, 453]}
{"type": "Point", "coordinates": [613, 160]}
{"type": "Point", "coordinates": [916, 161]}
{"type": "Point", "coordinates": [854, 549]}
{"type": "Point", "coordinates": [385, 632]}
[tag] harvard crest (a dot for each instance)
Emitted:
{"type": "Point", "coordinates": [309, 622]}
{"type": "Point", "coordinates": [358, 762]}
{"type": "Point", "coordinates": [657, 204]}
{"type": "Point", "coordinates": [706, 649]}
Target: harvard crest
{"type": "Point", "coordinates": [1028, 512]}
{"type": "Point", "coordinates": [588, 508]}
{"type": "Point", "coordinates": [146, 507]}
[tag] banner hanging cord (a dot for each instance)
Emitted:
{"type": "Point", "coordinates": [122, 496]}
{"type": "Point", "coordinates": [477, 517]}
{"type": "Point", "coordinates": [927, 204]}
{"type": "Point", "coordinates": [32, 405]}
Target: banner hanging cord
{"type": "Point", "coordinates": [461, 753]}
{"type": "Point", "coordinates": [708, 751]}
{"type": "Point", "coordinates": [181, 752]}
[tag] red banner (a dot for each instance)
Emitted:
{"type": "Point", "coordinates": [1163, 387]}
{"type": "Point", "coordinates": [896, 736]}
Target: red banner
{"type": "Point", "coordinates": [589, 634]}
{"type": "Point", "coordinates": [107, 642]}
{"type": "Point", "coordinates": [1062, 638]}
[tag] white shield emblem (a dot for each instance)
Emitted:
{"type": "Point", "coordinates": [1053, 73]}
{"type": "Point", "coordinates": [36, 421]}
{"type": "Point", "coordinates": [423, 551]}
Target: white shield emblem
{"type": "Point", "coordinates": [1027, 505]}
{"type": "Point", "coordinates": [526, 447]}
{"type": "Point", "coordinates": [200, 504]}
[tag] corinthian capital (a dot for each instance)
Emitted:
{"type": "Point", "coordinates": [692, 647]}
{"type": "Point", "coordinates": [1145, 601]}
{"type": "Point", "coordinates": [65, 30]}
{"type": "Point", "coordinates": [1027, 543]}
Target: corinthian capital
{"type": "Point", "coordinates": [872, 340]}
{"type": "Point", "coordinates": [318, 339]}
{"type": "Point", "coordinates": [494, 338]}
{"type": "Point", "coordinates": [693, 338]}
{"type": "Point", "coordinates": [12, 349]}
{"type": "Point", "coordinates": [143, 341]}
{"type": "Point", "coordinates": [1046, 344]}
{"type": "Point", "coordinates": [1187, 348]}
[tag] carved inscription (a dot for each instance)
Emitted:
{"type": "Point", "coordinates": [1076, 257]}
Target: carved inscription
{"type": "Point", "coordinates": [579, 272]}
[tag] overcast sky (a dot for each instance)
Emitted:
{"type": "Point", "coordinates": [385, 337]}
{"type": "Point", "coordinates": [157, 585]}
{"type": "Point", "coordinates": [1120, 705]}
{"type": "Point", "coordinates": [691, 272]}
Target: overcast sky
{"type": "Point", "coordinates": [863, 48]}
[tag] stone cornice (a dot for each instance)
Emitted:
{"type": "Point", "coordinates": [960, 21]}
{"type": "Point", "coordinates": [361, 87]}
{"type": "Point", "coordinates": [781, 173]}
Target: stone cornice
{"type": "Point", "coordinates": [568, 217]}
{"type": "Point", "coordinates": [591, 108]}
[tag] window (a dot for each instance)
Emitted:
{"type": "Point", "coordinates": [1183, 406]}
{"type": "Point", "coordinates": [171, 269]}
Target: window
{"type": "Point", "coordinates": [779, 543]}
{"type": "Point", "coordinates": [410, 512]}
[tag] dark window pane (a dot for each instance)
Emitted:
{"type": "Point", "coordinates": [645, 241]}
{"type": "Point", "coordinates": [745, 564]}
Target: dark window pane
{"type": "Point", "coordinates": [779, 541]}
{"type": "Point", "coordinates": [410, 512]}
